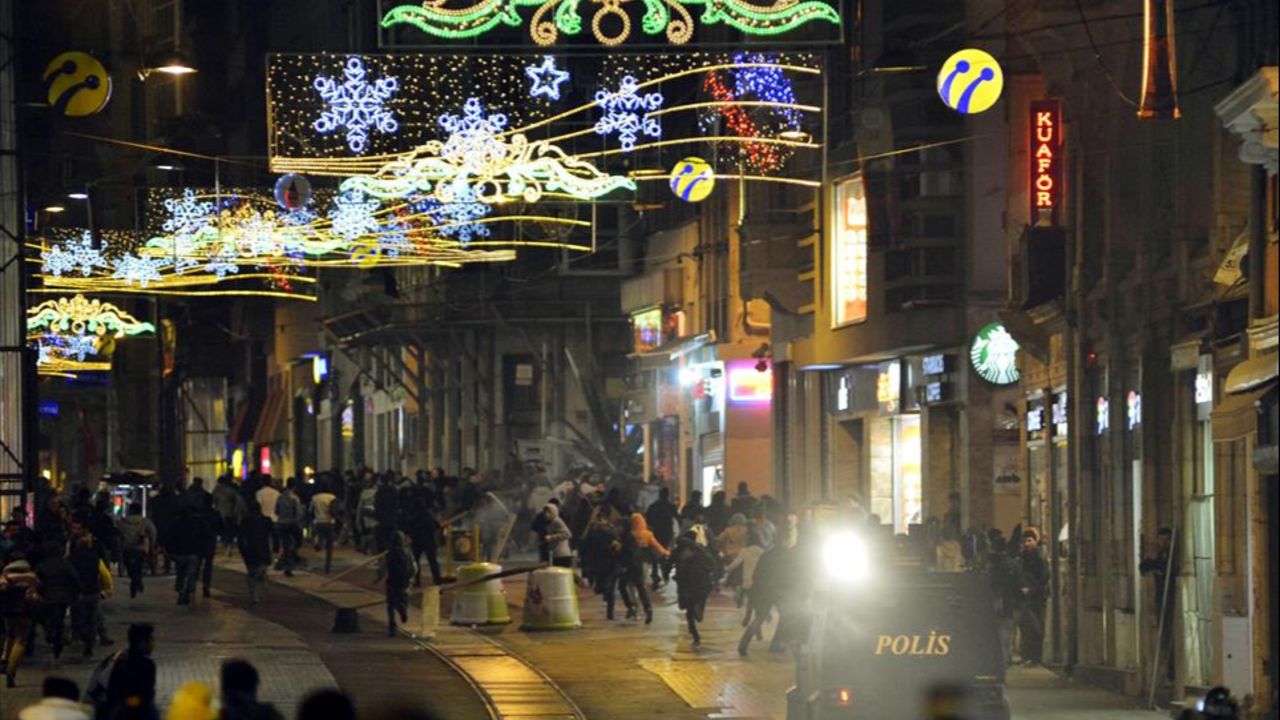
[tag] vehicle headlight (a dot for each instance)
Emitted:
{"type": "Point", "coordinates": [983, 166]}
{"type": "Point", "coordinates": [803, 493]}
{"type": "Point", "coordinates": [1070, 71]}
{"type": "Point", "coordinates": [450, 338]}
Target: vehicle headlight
{"type": "Point", "coordinates": [845, 558]}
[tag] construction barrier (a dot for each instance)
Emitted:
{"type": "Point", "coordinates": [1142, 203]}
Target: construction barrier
{"type": "Point", "coordinates": [551, 601]}
{"type": "Point", "coordinates": [480, 603]}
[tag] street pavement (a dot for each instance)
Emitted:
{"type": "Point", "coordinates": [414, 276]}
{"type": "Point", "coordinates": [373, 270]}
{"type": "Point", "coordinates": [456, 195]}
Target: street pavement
{"type": "Point", "coordinates": [619, 670]}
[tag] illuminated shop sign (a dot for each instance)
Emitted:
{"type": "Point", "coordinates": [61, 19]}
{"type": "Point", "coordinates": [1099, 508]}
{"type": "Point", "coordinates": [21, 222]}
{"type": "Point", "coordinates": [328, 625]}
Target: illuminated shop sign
{"type": "Point", "coordinates": [842, 393]}
{"type": "Point", "coordinates": [1104, 415]}
{"type": "Point", "coordinates": [888, 387]}
{"type": "Point", "coordinates": [1046, 161]}
{"type": "Point", "coordinates": [1035, 418]}
{"type": "Point", "coordinates": [849, 253]}
{"type": "Point", "coordinates": [934, 364]}
{"type": "Point", "coordinates": [647, 329]}
{"type": "Point", "coordinates": [1133, 409]}
{"type": "Point", "coordinates": [1204, 387]}
{"type": "Point", "coordinates": [933, 392]}
{"type": "Point", "coordinates": [1059, 414]}
{"type": "Point", "coordinates": [994, 355]}
{"type": "Point", "coordinates": [749, 385]}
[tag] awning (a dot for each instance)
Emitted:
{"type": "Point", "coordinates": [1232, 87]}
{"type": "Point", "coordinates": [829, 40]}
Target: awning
{"type": "Point", "coordinates": [1236, 416]}
{"type": "Point", "coordinates": [270, 427]}
{"type": "Point", "coordinates": [1251, 374]}
{"type": "Point", "coordinates": [671, 351]}
{"type": "Point", "coordinates": [240, 429]}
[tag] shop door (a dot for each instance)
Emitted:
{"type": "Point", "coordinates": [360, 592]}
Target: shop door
{"type": "Point", "coordinates": [1197, 593]}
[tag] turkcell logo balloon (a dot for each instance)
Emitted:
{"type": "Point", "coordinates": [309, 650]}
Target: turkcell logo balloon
{"type": "Point", "coordinates": [692, 179]}
{"type": "Point", "coordinates": [77, 84]}
{"type": "Point", "coordinates": [293, 191]}
{"type": "Point", "coordinates": [970, 81]}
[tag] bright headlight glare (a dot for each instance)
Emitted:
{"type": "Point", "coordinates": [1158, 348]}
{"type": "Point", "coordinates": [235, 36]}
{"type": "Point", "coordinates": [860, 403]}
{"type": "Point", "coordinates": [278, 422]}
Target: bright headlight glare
{"type": "Point", "coordinates": [845, 558]}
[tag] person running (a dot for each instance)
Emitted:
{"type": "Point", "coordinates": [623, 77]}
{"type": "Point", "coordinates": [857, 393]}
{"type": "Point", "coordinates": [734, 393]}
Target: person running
{"type": "Point", "coordinates": [137, 540]}
{"type": "Point", "coordinates": [417, 509]}
{"type": "Point", "coordinates": [694, 567]}
{"type": "Point", "coordinates": [255, 550]}
{"type": "Point", "coordinates": [267, 497]}
{"type": "Point", "coordinates": [401, 570]}
{"type": "Point", "coordinates": [325, 523]}
{"type": "Point", "coordinates": [86, 557]}
{"type": "Point", "coordinates": [661, 517]}
{"type": "Point", "coordinates": [59, 587]}
{"type": "Point", "coordinates": [19, 598]}
{"type": "Point", "coordinates": [636, 547]}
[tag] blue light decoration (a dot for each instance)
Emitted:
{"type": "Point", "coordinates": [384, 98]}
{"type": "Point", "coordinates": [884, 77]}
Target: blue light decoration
{"type": "Point", "coordinates": [623, 113]}
{"type": "Point", "coordinates": [75, 255]}
{"type": "Point", "coordinates": [474, 141]}
{"type": "Point", "coordinates": [769, 84]}
{"type": "Point", "coordinates": [356, 104]}
{"type": "Point", "coordinates": [81, 346]}
{"type": "Point", "coordinates": [352, 215]}
{"type": "Point", "coordinates": [49, 408]}
{"type": "Point", "coordinates": [222, 261]}
{"type": "Point", "coordinates": [546, 78]}
{"type": "Point", "coordinates": [187, 215]}
{"type": "Point", "coordinates": [457, 219]}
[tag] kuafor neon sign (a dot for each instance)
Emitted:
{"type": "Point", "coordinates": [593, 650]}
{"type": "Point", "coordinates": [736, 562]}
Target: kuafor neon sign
{"type": "Point", "coordinates": [1046, 161]}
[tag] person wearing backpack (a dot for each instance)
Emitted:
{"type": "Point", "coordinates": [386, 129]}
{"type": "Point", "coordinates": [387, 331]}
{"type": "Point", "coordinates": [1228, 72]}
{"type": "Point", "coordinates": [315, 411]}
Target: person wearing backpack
{"type": "Point", "coordinates": [131, 676]}
{"type": "Point", "coordinates": [137, 538]}
{"type": "Point", "coordinates": [694, 569]}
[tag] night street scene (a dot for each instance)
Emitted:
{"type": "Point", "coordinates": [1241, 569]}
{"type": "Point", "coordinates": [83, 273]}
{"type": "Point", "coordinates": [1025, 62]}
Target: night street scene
{"type": "Point", "coordinates": [631, 359]}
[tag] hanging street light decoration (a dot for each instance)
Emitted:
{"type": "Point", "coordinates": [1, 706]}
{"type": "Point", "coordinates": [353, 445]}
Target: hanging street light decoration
{"type": "Point", "coordinates": [547, 78]}
{"type": "Point", "coordinates": [692, 179]}
{"type": "Point", "coordinates": [625, 112]}
{"type": "Point", "coordinates": [356, 104]}
{"type": "Point", "coordinates": [610, 23]}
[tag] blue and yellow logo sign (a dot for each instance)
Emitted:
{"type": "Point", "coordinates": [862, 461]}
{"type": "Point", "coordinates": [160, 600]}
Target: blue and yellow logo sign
{"type": "Point", "coordinates": [692, 179]}
{"type": "Point", "coordinates": [970, 81]}
{"type": "Point", "coordinates": [78, 84]}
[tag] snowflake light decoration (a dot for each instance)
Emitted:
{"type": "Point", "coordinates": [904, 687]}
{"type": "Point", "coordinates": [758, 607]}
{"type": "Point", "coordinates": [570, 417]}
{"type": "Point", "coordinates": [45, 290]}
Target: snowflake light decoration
{"type": "Point", "coordinates": [392, 239]}
{"type": "Point", "coordinates": [473, 145]}
{"type": "Point", "coordinates": [624, 113]}
{"type": "Point", "coordinates": [76, 255]}
{"type": "Point", "coordinates": [187, 215]}
{"type": "Point", "coordinates": [222, 261]}
{"type": "Point", "coordinates": [81, 346]}
{"type": "Point", "coordinates": [457, 219]}
{"type": "Point", "coordinates": [356, 104]}
{"type": "Point", "coordinates": [352, 215]}
{"type": "Point", "coordinates": [134, 269]}
{"type": "Point", "coordinates": [546, 78]}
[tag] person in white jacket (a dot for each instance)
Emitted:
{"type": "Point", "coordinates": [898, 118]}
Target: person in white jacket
{"type": "Point", "coordinates": [58, 702]}
{"type": "Point", "coordinates": [557, 537]}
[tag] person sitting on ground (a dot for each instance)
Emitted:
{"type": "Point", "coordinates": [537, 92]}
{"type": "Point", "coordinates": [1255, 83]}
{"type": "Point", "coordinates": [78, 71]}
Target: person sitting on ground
{"type": "Point", "coordinates": [240, 694]}
{"type": "Point", "coordinates": [59, 700]}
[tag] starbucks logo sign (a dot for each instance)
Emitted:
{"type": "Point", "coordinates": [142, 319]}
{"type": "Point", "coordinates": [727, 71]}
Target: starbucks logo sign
{"type": "Point", "coordinates": [994, 354]}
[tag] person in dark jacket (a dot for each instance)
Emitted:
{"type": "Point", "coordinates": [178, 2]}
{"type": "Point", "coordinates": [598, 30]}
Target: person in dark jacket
{"type": "Point", "coordinates": [240, 693]}
{"type": "Point", "coordinates": [86, 555]}
{"type": "Point", "coordinates": [400, 572]}
{"type": "Point", "coordinates": [661, 517]}
{"type": "Point", "coordinates": [1035, 596]}
{"type": "Point", "coordinates": [164, 511]}
{"type": "Point", "coordinates": [133, 677]}
{"type": "Point", "coordinates": [718, 513]}
{"type": "Point", "coordinates": [59, 587]}
{"type": "Point", "coordinates": [255, 549]}
{"type": "Point", "coordinates": [1005, 574]}
{"type": "Point", "coordinates": [694, 568]}
{"type": "Point", "coordinates": [191, 540]}
{"type": "Point", "coordinates": [385, 511]}
{"type": "Point", "coordinates": [18, 585]}
{"type": "Point", "coordinates": [417, 511]}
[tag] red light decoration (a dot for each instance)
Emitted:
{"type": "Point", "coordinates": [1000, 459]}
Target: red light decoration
{"type": "Point", "coordinates": [1045, 131]}
{"type": "Point", "coordinates": [761, 156]}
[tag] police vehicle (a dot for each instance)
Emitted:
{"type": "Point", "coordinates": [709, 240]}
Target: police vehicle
{"type": "Point", "coordinates": [892, 640]}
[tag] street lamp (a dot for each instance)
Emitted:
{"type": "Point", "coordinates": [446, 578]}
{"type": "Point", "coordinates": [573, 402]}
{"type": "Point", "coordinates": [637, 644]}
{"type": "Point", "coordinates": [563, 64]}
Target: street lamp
{"type": "Point", "coordinates": [171, 63]}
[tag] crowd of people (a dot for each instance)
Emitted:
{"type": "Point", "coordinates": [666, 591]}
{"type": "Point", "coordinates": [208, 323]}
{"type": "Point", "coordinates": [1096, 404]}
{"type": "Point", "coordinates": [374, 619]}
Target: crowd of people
{"type": "Point", "coordinates": [624, 539]}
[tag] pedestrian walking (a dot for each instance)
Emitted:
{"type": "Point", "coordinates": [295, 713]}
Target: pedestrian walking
{"type": "Point", "coordinates": [191, 543]}
{"type": "Point", "coordinates": [718, 513]}
{"type": "Point", "coordinates": [19, 599]}
{"type": "Point", "coordinates": [240, 682]}
{"type": "Point", "coordinates": [132, 681]}
{"type": "Point", "coordinates": [1035, 595]}
{"type": "Point", "coordinates": [267, 497]}
{"type": "Point", "coordinates": [386, 512]}
{"type": "Point", "coordinates": [325, 523]}
{"type": "Point", "coordinates": [400, 571]}
{"type": "Point", "coordinates": [230, 507]}
{"type": "Point", "coordinates": [417, 511]}
{"type": "Point", "coordinates": [289, 526]}
{"type": "Point", "coordinates": [689, 514]}
{"type": "Point", "coordinates": [255, 550]}
{"type": "Point", "coordinates": [137, 541]}
{"type": "Point", "coordinates": [164, 509]}
{"type": "Point", "coordinates": [694, 567]}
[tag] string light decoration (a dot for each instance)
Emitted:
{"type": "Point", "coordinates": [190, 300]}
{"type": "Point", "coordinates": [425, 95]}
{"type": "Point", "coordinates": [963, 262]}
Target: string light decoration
{"type": "Point", "coordinates": [79, 315]}
{"type": "Point", "coordinates": [356, 104]}
{"type": "Point", "coordinates": [137, 270]}
{"type": "Point", "coordinates": [352, 215]}
{"type": "Point", "coordinates": [547, 78]}
{"type": "Point", "coordinates": [761, 156]}
{"type": "Point", "coordinates": [76, 255]}
{"type": "Point", "coordinates": [671, 18]}
{"type": "Point", "coordinates": [623, 113]}
{"type": "Point", "coordinates": [456, 219]}
{"type": "Point", "coordinates": [760, 77]}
